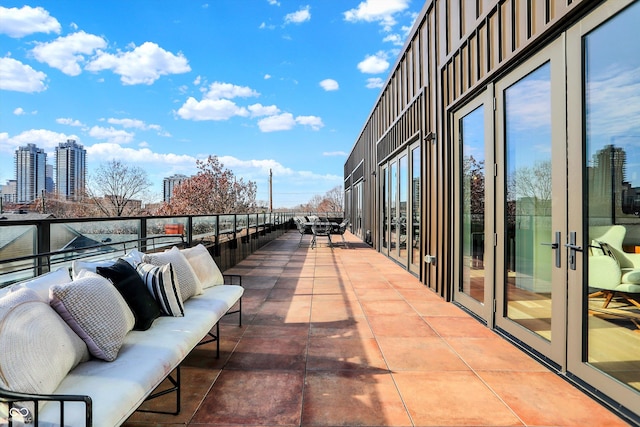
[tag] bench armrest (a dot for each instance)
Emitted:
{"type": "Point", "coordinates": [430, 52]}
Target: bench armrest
{"type": "Point", "coordinates": [9, 398]}
{"type": "Point", "coordinates": [232, 279]}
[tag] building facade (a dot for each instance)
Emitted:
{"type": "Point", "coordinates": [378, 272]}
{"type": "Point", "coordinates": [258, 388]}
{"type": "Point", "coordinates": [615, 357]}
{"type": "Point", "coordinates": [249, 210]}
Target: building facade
{"type": "Point", "coordinates": [498, 165]}
{"type": "Point", "coordinates": [71, 169]}
{"type": "Point", "coordinates": [31, 173]}
{"type": "Point", "coordinates": [171, 182]}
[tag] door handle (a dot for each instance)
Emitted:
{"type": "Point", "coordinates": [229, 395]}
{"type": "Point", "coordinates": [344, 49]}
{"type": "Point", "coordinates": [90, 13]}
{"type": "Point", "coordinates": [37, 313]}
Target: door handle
{"type": "Point", "coordinates": [555, 245]}
{"type": "Point", "coordinates": [573, 248]}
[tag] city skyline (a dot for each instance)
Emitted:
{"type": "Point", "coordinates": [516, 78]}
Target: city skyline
{"type": "Point", "coordinates": [263, 84]}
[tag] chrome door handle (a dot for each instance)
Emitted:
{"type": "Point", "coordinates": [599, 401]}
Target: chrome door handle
{"type": "Point", "coordinates": [555, 245]}
{"type": "Point", "coordinates": [573, 248]}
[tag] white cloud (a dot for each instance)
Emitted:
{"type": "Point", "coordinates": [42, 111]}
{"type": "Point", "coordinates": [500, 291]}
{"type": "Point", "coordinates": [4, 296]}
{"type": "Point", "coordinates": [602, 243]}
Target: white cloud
{"type": "Point", "coordinates": [66, 53]}
{"type": "Point", "coordinates": [313, 121]}
{"type": "Point", "coordinates": [334, 154]}
{"type": "Point", "coordinates": [19, 77]}
{"type": "Point", "coordinates": [374, 83]}
{"type": "Point", "coordinates": [329, 84]}
{"type": "Point", "coordinates": [143, 65]}
{"type": "Point", "coordinates": [374, 64]}
{"type": "Point", "coordinates": [19, 111]}
{"type": "Point", "coordinates": [284, 121]}
{"type": "Point", "coordinates": [274, 2]}
{"type": "Point", "coordinates": [210, 109]}
{"type": "Point", "coordinates": [69, 122]}
{"type": "Point", "coordinates": [110, 150]}
{"type": "Point", "coordinates": [218, 90]}
{"type": "Point", "coordinates": [43, 138]}
{"type": "Point", "coordinates": [27, 20]}
{"type": "Point", "coordinates": [298, 17]}
{"type": "Point", "coordinates": [259, 110]}
{"type": "Point", "coordinates": [381, 11]}
{"type": "Point", "coordinates": [267, 76]}
{"type": "Point", "coordinates": [128, 123]}
{"type": "Point", "coordinates": [265, 26]}
{"type": "Point", "coordinates": [395, 39]}
{"type": "Point", "coordinates": [112, 135]}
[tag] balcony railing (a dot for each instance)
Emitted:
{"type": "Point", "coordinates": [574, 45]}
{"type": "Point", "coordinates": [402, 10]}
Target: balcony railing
{"type": "Point", "coordinates": [30, 248]}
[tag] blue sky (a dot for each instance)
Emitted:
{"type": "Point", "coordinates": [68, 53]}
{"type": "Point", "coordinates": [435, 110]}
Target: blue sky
{"type": "Point", "coordinates": [262, 84]}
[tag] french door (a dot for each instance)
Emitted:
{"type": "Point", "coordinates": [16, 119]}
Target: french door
{"type": "Point", "coordinates": [548, 164]}
{"type": "Point", "coordinates": [401, 195]}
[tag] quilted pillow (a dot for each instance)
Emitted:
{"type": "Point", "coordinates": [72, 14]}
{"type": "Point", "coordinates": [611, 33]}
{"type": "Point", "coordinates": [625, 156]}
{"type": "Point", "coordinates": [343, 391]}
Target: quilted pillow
{"type": "Point", "coordinates": [96, 311]}
{"type": "Point", "coordinates": [134, 291]}
{"type": "Point", "coordinates": [38, 348]}
{"type": "Point", "coordinates": [160, 280]}
{"type": "Point", "coordinates": [188, 282]}
{"type": "Point", "coordinates": [204, 266]}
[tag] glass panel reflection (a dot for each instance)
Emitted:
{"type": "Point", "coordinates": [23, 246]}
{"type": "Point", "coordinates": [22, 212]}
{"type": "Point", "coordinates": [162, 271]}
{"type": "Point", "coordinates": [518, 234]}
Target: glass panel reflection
{"type": "Point", "coordinates": [403, 176]}
{"type": "Point", "coordinates": [612, 93]}
{"type": "Point", "coordinates": [415, 207]}
{"type": "Point", "coordinates": [473, 186]}
{"type": "Point", "coordinates": [528, 209]}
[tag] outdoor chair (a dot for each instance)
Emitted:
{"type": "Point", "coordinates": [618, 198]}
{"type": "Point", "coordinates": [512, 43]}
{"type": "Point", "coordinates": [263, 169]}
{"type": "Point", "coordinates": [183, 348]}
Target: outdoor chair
{"type": "Point", "coordinates": [301, 229]}
{"type": "Point", "coordinates": [341, 230]}
{"type": "Point", "coordinates": [321, 228]}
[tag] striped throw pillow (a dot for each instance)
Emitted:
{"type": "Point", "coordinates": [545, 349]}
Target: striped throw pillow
{"type": "Point", "coordinates": [161, 282]}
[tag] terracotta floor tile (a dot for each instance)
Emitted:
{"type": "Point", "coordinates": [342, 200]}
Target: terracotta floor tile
{"type": "Point", "coordinates": [433, 308]}
{"type": "Point", "coordinates": [392, 307]}
{"type": "Point", "coordinates": [352, 398]}
{"type": "Point", "coordinates": [348, 328]}
{"type": "Point", "coordinates": [388, 325]}
{"type": "Point", "coordinates": [259, 398]}
{"type": "Point", "coordinates": [543, 398]}
{"type": "Point", "coordinates": [459, 327]}
{"type": "Point", "coordinates": [333, 354]}
{"type": "Point", "coordinates": [386, 294]}
{"type": "Point", "coordinates": [269, 353]}
{"type": "Point", "coordinates": [452, 399]}
{"type": "Point", "coordinates": [334, 310]}
{"type": "Point", "coordinates": [493, 354]}
{"type": "Point", "coordinates": [420, 354]}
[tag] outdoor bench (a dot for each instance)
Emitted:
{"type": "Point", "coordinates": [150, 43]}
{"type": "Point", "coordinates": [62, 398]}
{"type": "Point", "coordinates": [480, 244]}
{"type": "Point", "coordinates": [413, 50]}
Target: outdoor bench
{"type": "Point", "coordinates": [98, 371]}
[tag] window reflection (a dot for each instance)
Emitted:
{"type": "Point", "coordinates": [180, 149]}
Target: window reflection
{"type": "Point", "coordinates": [528, 209]}
{"type": "Point", "coordinates": [473, 196]}
{"type": "Point", "coordinates": [612, 93]}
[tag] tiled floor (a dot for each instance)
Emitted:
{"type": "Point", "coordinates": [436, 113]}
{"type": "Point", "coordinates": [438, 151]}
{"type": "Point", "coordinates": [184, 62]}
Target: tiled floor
{"type": "Point", "coordinates": [345, 337]}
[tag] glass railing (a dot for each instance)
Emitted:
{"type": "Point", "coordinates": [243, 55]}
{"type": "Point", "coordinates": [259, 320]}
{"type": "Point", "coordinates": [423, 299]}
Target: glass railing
{"type": "Point", "coordinates": [32, 247]}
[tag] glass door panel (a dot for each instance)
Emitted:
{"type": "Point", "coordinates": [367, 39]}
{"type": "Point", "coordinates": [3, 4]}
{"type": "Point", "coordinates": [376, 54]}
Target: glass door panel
{"type": "Point", "coordinates": [528, 287]}
{"type": "Point", "coordinates": [415, 209]}
{"type": "Point", "coordinates": [473, 129]}
{"type": "Point", "coordinates": [402, 223]}
{"type": "Point", "coordinates": [473, 196]}
{"type": "Point", "coordinates": [531, 283]}
{"type": "Point", "coordinates": [384, 172]}
{"type": "Point", "coordinates": [393, 208]}
{"type": "Point", "coordinates": [604, 308]}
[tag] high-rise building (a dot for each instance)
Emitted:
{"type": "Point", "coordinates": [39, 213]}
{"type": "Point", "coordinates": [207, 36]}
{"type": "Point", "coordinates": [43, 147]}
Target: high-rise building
{"type": "Point", "coordinates": [30, 173]}
{"type": "Point", "coordinates": [169, 183]}
{"type": "Point", "coordinates": [71, 169]}
{"type": "Point", "coordinates": [49, 184]}
{"type": "Point", "coordinates": [9, 191]}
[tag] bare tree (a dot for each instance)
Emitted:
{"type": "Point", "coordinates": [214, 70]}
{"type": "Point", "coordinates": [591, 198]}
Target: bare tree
{"type": "Point", "coordinates": [214, 189]}
{"type": "Point", "coordinates": [116, 188]}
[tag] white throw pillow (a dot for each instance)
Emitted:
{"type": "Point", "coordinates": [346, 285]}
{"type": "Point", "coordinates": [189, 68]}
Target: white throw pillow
{"type": "Point", "coordinates": [78, 265]}
{"type": "Point", "coordinates": [133, 257]}
{"type": "Point", "coordinates": [96, 311]}
{"type": "Point", "coordinates": [204, 266]}
{"type": "Point", "coordinates": [188, 282]}
{"type": "Point", "coordinates": [38, 347]}
{"type": "Point", "coordinates": [42, 283]}
{"type": "Point", "coordinates": [160, 280]}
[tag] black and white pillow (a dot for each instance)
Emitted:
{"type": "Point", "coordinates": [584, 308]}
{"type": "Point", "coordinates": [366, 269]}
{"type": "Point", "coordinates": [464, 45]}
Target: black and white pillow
{"type": "Point", "coordinates": [161, 282]}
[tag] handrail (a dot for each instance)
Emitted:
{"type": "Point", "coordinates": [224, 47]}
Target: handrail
{"type": "Point", "coordinates": [32, 248]}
